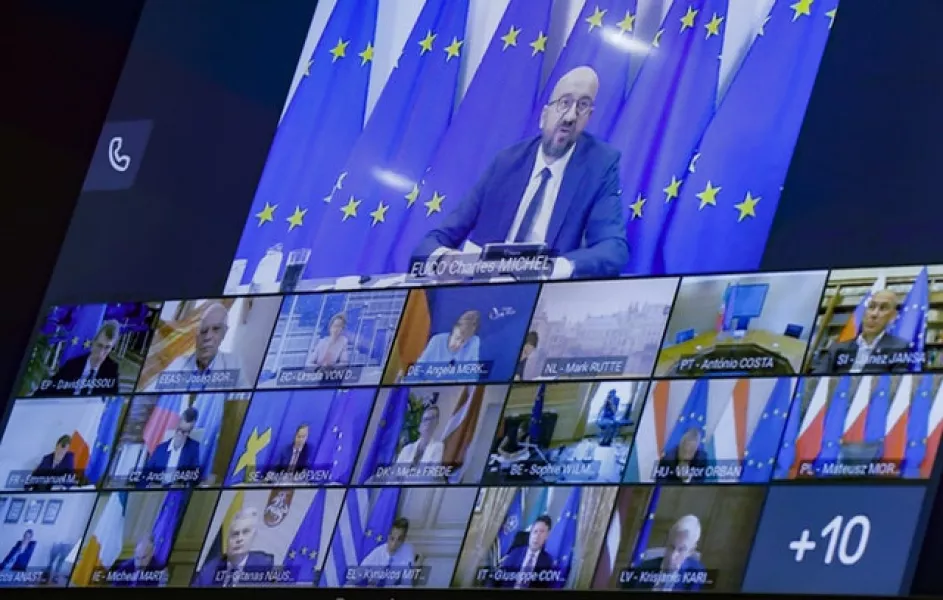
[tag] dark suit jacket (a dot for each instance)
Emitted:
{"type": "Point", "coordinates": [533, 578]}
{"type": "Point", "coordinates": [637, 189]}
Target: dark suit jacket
{"type": "Point", "coordinates": [691, 565]}
{"type": "Point", "coordinates": [71, 371]}
{"type": "Point", "coordinates": [257, 561]}
{"type": "Point", "coordinates": [189, 459]}
{"type": "Point", "coordinates": [588, 221]}
{"type": "Point", "coordinates": [827, 362]}
{"type": "Point", "coordinates": [698, 465]}
{"type": "Point", "coordinates": [45, 469]}
{"type": "Point", "coordinates": [513, 561]}
{"type": "Point", "coordinates": [18, 562]}
{"type": "Point", "coordinates": [284, 458]}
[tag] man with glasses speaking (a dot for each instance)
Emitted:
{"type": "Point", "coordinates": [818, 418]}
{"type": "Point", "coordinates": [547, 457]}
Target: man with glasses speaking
{"type": "Point", "coordinates": [559, 192]}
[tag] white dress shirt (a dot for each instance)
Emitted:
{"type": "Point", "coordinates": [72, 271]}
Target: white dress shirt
{"type": "Point", "coordinates": [432, 455]}
{"type": "Point", "coordinates": [88, 373]}
{"type": "Point", "coordinates": [542, 219]}
{"type": "Point", "coordinates": [173, 459]}
{"type": "Point", "coordinates": [223, 361]}
{"type": "Point", "coordinates": [865, 350]}
{"type": "Point", "coordinates": [530, 561]}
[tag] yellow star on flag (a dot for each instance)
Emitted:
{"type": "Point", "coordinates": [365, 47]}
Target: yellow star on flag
{"type": "Point", "coordinates": [379, 215]}
{"type": "Point", "coordinates": [297, 218]}
{"type": "Point", "coordinates": [595, 19]}
{"type": "Point", "coordinates": [426, 42]}
{"type": "Point", "coordinates": [831, 16]}
{"type": "Point", "coordinates": [713, 26]}
{"type": "Point", "coordinates": [656, 43]}
{"type": "Point", "coordinates": [75, 341]}
{"type": "Point", "coordinates": [540, 44]}
{"type": "Point", "coordinates": [673, 189]}
{"type": "Point", "coordinates": [747, 208]}
{"type": "Point", "coordinates": [412, 196]}
{"type": "Point", "coordinates": [308, 68]}
{"type": "Point", "coordinates": [510, 38]}
{"type": "Point", "coordinates": [627, 23]}
{"type": "Point", "coordinates": [87, 344]}
{"type": "Point", "coordinates": [762, 30]}
{"type": "Point", "coordinates": [801, 8]}
{"type": "Point", "coordinates": [637, 207]}
{"type": "Point", "coordinates": [350, 209]}
{"type": "Point", "coordinates": [451, 51]}
{"type": "Point", "coordinates": [687, 21]}
{"type": "Point", "coordinates": [267, 214]}
{"type": "Point", "coordinates": [339, 50]}
{"type": "Point", "coordinates": [255, 444]}
{"type": "Point", "coordinates": [367, 54]}
{"type": "Point", "coordinates": [435, 204]}
{"type": "Point", "coordinates": [708, 196]}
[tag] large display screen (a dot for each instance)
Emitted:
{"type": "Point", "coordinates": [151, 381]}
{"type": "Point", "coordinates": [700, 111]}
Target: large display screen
{"type": "Point", "coordinates": [495, 319]}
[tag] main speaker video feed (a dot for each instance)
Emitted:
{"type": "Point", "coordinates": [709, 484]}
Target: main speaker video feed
{"type": "Point", "coordinates": [565, 433]}
{"type": "Point", "coordinates": [398, 537]}
{"type": "Point", "coordinates": [678, 539]}
{"type": "Point", "coordinates": [866, 426]}
{"type": "Point", "coordinates": [300, 437]}
{"type": "Point", "coordinates": [430, 434]}
{"type": "Point", "coordinates": [209, 345]}
{"type": "Point", "coordinates": [596, 329]}
{"type": "Point", "coordinates": [39, 537]}
{"type": "Point", "coordinates": [59, 443]}
{"type": "Point", "coordinates": [129, 539]}
{"type": "Point", "coordinates": [332, 339]}
{"type": "Point", "coordinates": [463, 335]}
{"type": "Point", "coordinates": [177, 440]}
{"type": "Point", "coordinates": [568, 179]}
{"type": "Point", "coordinates": [740, 325]}
{"type": "Point", "coordinates": [271, 537]}
{"type": "Point", "coordinates": [534, 537]}
{"type": "Point", "coordinates": [89, 350]}
{"type": "Point", "coordinates": [711, 431]}
{"type": "Point", "coordinates": [878, 321]}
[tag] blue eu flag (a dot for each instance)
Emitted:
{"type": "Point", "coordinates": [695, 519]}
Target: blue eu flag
{"type": "Point", "coordinates": [104, 438]}
{"type": "Point", "coordinates": [513, 523]}
{"type": "Point", "coordinates": [726, 208]}
{"type": "Point", "coordinates": [693, 414]}
{"type": "Point", "coordinates": [84, 324]}
{"type": "Point", "coordinates": [392, 153]}
{"type": "Point", "coordinates": [382, 451]}
{"type": "Point", "coordinates": [562, 538]}
{"type": "Point", "coordinates": [165, 526]}
{"type": "Point", "coordinates": [875, 423]}
{"type": "Point", "coordinates": [918, 418]}
{"type": "Point", "coordinates": [911, 324]}
{"type": "Point", "coordinates": [491, 116]}
{"type": "Point", "coordinates": [787, 450]}
{"type": "Point", "coordinates": [321, 123]}
{"type": "Point", "coordinates": [535, 430]}
{"type": "Point", "coordinates": [645, 533]}
{"type": "Point", "coordinates": [604, 38]}
{"type": "Point", "coordinates": [761, 451]}
{"type": "Point", "coordinates": [301, 559]}
{"type": "Point", "coordinates": [663, 119]}
{"type": "Point", "coordinates": [834, 426]}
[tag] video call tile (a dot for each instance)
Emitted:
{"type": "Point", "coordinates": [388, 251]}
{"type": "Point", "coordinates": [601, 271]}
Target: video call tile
{"type": "Point", "coordinates": [596, 329]}
{"type": "Point", "coordinates": [332, 340]}
{"type": "Point", "coordinates": [38, 534]}
{"type": "Point", "coordinates": [461, 335]}
{"type": "Point", "coordinates": [393, 537]}
{"type": "Point", "coordinates": [59, 444]}
{"type": "Point", "coordinates": [177, 440]}
{"type": "Point", "coordinates": [740, 325]}
{"type": "Point", "coordinates": [533, 537]}
{"type": "Point", "coordinates": [90, 349]}
{"type": "Point", "coordinates": [565, 433]}
{"type": "Point", "coordinates": [209, 345]}
{"type": "Point", "coordinates": [863, 427]}
{"type": "Point", "coordinates": [677, 539]}
{"type": "Point", "coordinates": [708, 431]}
{"type": "Point", "coordinates": [878, 321]}
{"type": "Point", "coordinates": [300, 438]}
{"type": "Point", "coordinates": [430, 435]}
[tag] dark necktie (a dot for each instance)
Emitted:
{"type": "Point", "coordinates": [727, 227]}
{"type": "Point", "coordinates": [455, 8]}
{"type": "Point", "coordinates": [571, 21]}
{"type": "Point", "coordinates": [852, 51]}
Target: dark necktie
{"type": "Point", "coordinates": [533, 208]}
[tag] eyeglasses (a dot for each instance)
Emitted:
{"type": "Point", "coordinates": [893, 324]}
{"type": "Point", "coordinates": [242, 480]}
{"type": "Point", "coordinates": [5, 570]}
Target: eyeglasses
{"type": "Point", "coordinates": [564, 103]}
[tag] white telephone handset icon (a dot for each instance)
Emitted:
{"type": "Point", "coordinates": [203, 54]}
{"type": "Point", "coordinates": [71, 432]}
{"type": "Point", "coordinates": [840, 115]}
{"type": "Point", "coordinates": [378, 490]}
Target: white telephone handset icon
{"type": "Point", "coordinates": [119, 162]}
